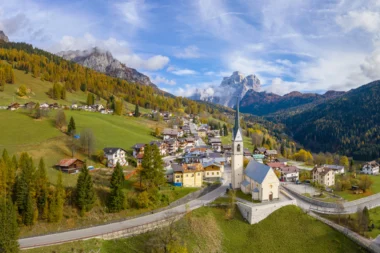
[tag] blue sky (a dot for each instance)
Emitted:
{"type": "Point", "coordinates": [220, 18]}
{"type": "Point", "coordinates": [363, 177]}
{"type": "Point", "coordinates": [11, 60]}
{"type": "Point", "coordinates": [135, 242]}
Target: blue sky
{"type": "Point", "coordinates": [303, 45]}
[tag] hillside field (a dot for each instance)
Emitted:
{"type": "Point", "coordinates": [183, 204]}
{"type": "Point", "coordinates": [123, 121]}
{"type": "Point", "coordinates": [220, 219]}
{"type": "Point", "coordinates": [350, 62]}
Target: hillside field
{"type": "Point", "coordinates": [286, 230]}
{"type": "Point", "coordinates": [40, 138]}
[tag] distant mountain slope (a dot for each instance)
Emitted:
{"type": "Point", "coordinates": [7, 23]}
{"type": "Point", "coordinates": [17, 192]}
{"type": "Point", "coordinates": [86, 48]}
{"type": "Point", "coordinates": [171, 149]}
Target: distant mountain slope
{"type": "Point", "coordinates": [263, 103]}
{"type": "Point", "coordinates": [103, 61]}
{"type": "Point", "coordinates": [237, 85]}
{"type": "Point", "coordinates": [3, 36]}
{"type": "Point", "coordinates": [349, 124]}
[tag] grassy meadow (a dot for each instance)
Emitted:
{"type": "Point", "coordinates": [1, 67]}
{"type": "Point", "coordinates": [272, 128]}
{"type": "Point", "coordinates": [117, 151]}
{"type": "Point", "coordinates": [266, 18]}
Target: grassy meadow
{"type": "Point", "coordinates": [286, 230]}
{"type": "Point", "coordinates": [349, 195]}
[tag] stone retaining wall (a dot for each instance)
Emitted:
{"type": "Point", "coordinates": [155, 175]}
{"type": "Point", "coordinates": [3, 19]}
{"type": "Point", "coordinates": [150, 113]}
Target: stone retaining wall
{"type": "Point", "coordinates": [310, 200]}
{"type": "Point", "coordinates": [256, 213]}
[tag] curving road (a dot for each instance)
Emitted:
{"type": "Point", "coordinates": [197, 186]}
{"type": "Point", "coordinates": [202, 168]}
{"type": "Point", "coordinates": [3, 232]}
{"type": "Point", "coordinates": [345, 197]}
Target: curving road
{"type": "Point", "coordinates": [85, 233]}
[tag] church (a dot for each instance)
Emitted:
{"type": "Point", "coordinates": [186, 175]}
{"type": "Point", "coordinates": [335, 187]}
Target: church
{"type": "Point", "coordinates": [256, 179]}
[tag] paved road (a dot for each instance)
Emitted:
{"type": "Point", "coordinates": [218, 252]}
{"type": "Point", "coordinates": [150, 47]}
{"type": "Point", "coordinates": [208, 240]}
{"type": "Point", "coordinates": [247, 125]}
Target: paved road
{"type": "Point", "coordinates": [108, 228]}
{"type": "Point", "coordinates": [349, 208]}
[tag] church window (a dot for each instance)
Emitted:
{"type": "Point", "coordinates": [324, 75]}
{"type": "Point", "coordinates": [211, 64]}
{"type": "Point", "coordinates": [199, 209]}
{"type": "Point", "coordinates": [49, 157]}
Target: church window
{"type": "Point", "coordinates": [238, 148]}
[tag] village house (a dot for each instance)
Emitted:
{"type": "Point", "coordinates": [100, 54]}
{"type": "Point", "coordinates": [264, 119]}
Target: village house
{"type": "Point", "coordinates": [216, 144]}
{"type": "Point", "coordinates": [74, 107]}
{"type": "Point", "coordinates": [261, 181]}
{"type": "Point", "coordinates": [44, 106]}
{"type": "Point", "coordinates": [260, 150]}
{"type": "Point", "coordinates": [212, 171]}
{"type": "Point", "coordinates": [188, 175]}
{"type": "Point", "coordinates": [13, 106]}
{"type": "Point", "coordinates": [186, 129]}
{"type": "Point", "coordinates": [202, 132]}
{"type": "Point", "coordinates": [162, 147]}
{"type": "Point", "coordinates": [170, 133]}
{"type": "Point", "coordinates": [371, 168]}
{"type": "Point", "coordinates": [323, 176]}
{"type": "Point", "coordinates": [168, 172]}
{"type": "Point", "coordinates": [138, 148]}
{"type": "Point", "coordinates": [289, 173]}
{"type": "Point", "coordinates": [190, 142]}
{"type": "Point", "coordinates": [70, 166]}
{"type": "Point", "coordinates": [30, 105]}
{"type": "Point", "coordinates": [114, 156]}
{"type": "Point", "coordinates": [270, 154]}
{"type": "Point", "coordinates": [173, 146]}
{"type": "Point", "coordinates": [226, 148]}
{"type": "Point", "coordinates": [247, 153]}
{"type": "Point", "coordinates": [337, 169]}
{"type": "Point", "coordinates": [139, 158]}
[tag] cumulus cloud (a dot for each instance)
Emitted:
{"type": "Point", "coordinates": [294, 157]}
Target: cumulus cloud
{"type": "Point", "coordinates": [162, 80]}
{"type": "Point", "coordinates": [119, 48]}
{"type": "Point", "coordinates": [189, 52]}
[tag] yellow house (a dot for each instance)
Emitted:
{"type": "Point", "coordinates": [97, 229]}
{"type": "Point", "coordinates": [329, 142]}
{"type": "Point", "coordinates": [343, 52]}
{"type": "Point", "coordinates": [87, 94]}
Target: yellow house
{"type": "Point", "coordinates": [213, 171]}
{"type": "Point", "coordinates": [188, 175]}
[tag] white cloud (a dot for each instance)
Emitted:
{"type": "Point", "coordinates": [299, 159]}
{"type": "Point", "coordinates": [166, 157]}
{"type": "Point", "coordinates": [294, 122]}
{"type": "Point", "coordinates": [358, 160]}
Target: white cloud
{"type": "Point", "coordinates": [180, 72]}
{"type": "Point", "coordinates": [281, 87]}
{"type": "Point", "coordinates": [189, 52]}
{"type": "Point", "coordinates": [162, 80]}
{"type": "Point", "coordinates": [119, 49]}
{"type": "Point", "coordinates": [367, 20]}
{"type": "Point", "coordinates": [133, 12]}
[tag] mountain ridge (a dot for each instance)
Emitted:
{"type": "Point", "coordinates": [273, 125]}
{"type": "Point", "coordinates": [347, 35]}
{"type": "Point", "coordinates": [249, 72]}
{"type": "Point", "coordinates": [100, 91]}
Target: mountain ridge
{"type": "Point", "coordinates": [236, 85]}
{"type": "Point", "coordinates": [104, 62]}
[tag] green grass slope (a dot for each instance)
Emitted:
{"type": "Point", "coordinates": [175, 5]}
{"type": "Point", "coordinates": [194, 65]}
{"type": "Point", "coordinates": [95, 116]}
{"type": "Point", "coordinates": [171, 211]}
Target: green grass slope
{"type": "Point", "coordinates": [40, 138]}
{"type": "Point", "coordinates": [286, 230]}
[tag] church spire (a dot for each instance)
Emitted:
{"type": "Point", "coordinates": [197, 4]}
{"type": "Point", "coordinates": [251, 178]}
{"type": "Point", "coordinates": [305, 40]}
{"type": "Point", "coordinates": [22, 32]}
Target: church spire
{"type": "Point", "coordinates": [237, 118]}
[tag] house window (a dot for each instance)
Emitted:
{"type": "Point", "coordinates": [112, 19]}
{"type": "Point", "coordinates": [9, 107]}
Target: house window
{"type": "Point", "coordinates": [213, 173]}
{"type": "Point", "coordinates": [238, 148]}
{"type": "Point", "coordinates": [199, 174]}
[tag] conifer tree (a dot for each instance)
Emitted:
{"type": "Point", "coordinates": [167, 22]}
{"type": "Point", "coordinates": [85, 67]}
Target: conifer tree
{"type": "Point", "coordinates": [137, 111]}
{"type": "Point", "coordinates": [28, 215]}
{"type": "Point", "coordinates": [56, 201]}
{"type": "Point", "coordinates": [116, 197]}
{"type": "Point", "coordinates": [225, 129]}
{"type": "Point", "coordinates": [42, 185]}
{"type": "Point", "coordinates": [24, 188]}
{"type": "Point", "coordinates": [85, 193]}
{"type": "Point", "coordinates": [63, 93]}
{"type": "Point", "coordinates": [152, 167]}
{"type": "Point", "coordinates": [71, 128]}
{"type": "Point", "coordinates": [8, 227]}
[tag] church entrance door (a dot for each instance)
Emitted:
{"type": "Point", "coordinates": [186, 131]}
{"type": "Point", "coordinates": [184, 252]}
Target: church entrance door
{"type": "Point", "coordinates": [271, 196]}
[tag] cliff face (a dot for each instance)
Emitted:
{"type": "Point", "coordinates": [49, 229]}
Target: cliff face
{"type": "Point", "coordinates": [104, 62]}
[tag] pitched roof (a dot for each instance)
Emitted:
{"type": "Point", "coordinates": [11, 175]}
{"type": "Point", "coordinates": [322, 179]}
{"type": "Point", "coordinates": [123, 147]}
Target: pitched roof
{"type": "Point", "coordinates": [245, 183]}
{"type": "Point", "coordinates": [276, 165]}
{"type": "Point", "coordinates": [111, 150]}
{"type": "Point", "coordinates": [170, 131]}
{"type": "Point", "coordinates": [271, 152]}
{"type": "Point", "coordinates": [257, 171]}
{"type": "Point", "coordinates": [139, 145]}
{"type": "Point", "coordinates": [333, 167]}
{"type": "Point", "coordinates": [67, 162]}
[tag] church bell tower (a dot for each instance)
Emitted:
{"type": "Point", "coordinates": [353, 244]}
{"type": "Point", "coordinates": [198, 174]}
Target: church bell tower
{"type": "Point", "coordinates": [237, 152]}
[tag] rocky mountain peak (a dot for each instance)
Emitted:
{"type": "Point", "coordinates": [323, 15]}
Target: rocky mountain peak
{"type": "Point", "coordinates": [236, 85]}
{"type": "Point", "coordinates": [102, 61]}
{"type": "Point", "coordinates": [3, 36]}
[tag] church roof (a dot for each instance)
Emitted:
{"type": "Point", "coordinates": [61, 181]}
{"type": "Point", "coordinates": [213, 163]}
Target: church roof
{"type": "Point", "coordinates": [245, 183]}
{"type": "Point", "coordinates": [257, 171]}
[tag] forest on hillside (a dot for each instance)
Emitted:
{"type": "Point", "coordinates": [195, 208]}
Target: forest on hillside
{"type": "Point", "coordinates": [347, 125]}
{"type": "Point", "coordinates": [74, 77]}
